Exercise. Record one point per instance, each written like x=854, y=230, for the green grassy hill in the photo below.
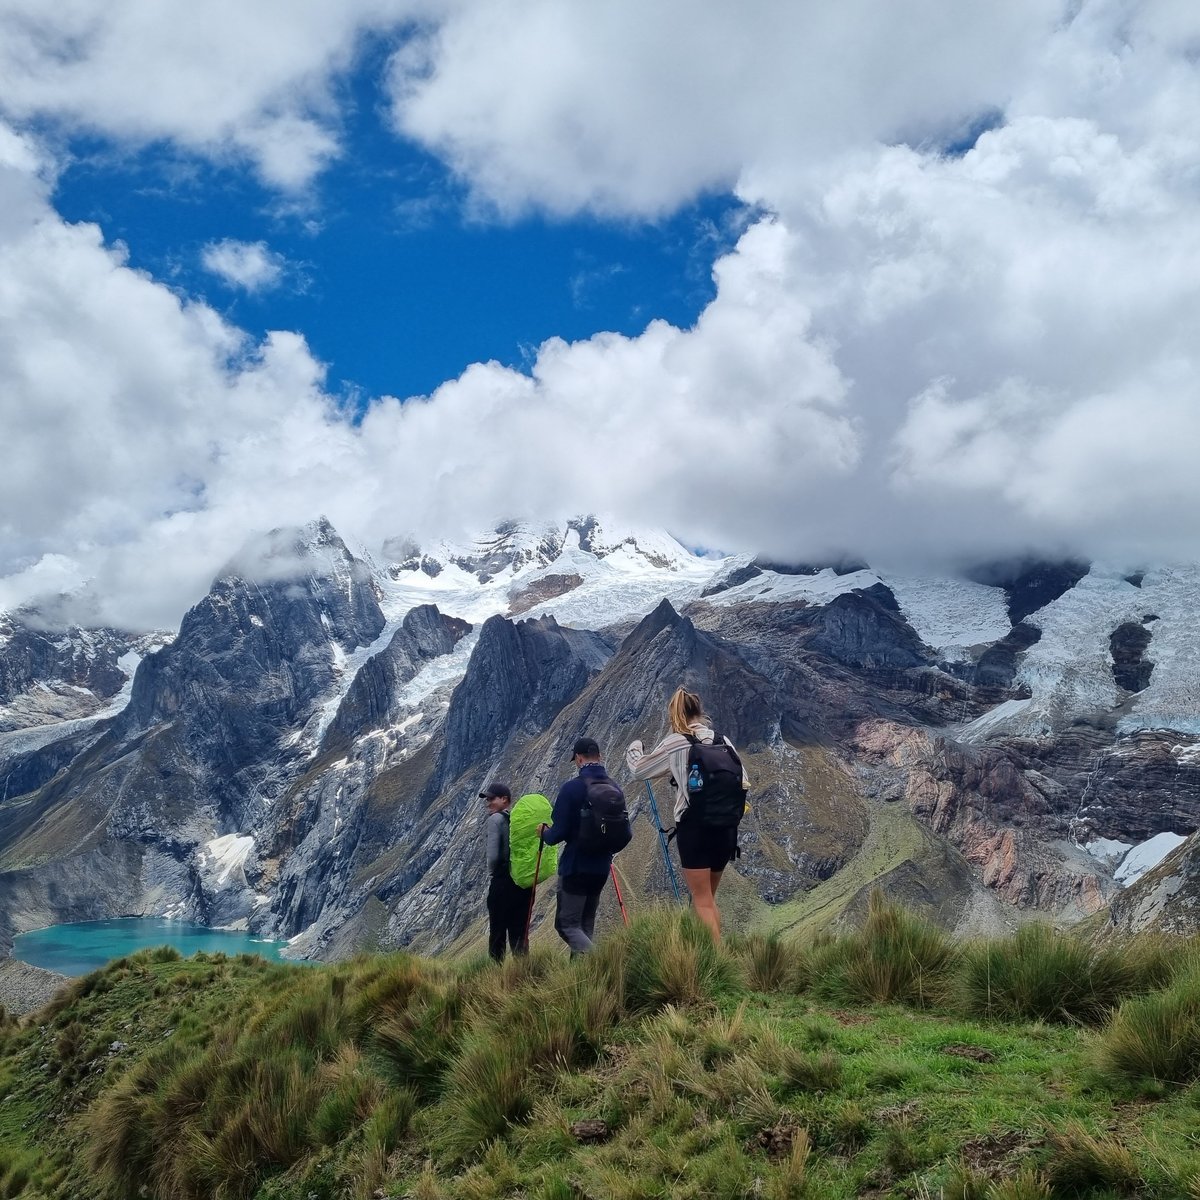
x=889, y=1062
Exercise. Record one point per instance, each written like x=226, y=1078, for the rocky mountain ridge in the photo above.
x=302, y=758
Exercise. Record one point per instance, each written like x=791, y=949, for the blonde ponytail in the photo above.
x=684, y=710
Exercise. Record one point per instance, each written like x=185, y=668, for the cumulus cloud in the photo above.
x=225, y=79
x=924, y=348
x=252, y=266
x=632, y=108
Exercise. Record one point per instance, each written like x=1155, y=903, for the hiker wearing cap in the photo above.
x=590, y=818
x=507, y=904
x=710, y=787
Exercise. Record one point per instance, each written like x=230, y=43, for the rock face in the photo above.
x=205, y=745
x=1165, y=899
x=372, y=701
x=49, y=675
x=304, y=758
x=79, y=658
x=409, y=824
x=1031, y=585
x=1129, y=642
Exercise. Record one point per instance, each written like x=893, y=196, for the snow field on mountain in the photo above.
x=952, y=616
x=439, y=671
x=1069, y=670
x=948, y=615
x=1172, y=699
x=1146, y=857
x=228, y=854
x=624, y=584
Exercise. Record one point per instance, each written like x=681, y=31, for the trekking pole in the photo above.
x=662, y=841
x=612, y=870
x=537, y=870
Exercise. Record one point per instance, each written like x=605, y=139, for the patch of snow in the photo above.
x=440, y=670
x=1146, y=856
x=1108, y=850
x=346, y=667
x=1172, y=698
x=229, y=854
x=951, y=615
x=1069, y=670
x=1002, y=718
x=630, y=573
x=820, y=588
x=25, y=741
x=129, y=663
x=619, y=587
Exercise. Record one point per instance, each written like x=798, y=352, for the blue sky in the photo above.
x=397, y=280
x=917, y=284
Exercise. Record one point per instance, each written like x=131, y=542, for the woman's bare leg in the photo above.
x=702, y=883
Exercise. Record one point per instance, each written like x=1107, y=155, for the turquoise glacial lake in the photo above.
x=85, y=947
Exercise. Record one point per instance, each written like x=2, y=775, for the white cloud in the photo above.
x=252, y=266
x=913, y=354
x=632, y=108
x=221, y=78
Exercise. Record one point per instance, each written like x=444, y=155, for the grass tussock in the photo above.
x=1081, y=1163
x=663, y=958
x=768, y=963
x=1042, y=974
x=1156, y=1038
x=895, y=958
x=660, y=1065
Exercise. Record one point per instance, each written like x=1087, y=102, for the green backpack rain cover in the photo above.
x=523, y=820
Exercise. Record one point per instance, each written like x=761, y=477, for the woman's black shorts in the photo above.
x=703, y=846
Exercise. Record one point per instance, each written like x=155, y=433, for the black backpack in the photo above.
x=603, y=820
x=720, y=800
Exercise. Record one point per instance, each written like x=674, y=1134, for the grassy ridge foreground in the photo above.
x=890, y=1062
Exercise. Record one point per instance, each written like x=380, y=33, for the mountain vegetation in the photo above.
x=890, y=1061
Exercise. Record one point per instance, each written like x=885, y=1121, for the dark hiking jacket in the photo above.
x=565, y=828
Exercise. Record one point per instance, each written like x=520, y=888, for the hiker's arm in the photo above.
x=560, y=828
x=658, y=762
x=493, y=844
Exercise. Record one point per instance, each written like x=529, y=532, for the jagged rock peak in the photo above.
x=663, y=617
x=298, y=577
x=514, y=546
x=293, y=552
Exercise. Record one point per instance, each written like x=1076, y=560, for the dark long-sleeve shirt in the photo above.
x=497, y=842
x=565, y=826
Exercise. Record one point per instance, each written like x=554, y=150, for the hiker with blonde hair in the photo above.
x=710, y=786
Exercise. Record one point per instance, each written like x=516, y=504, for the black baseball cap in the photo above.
x=495, y=789
x=586, y=747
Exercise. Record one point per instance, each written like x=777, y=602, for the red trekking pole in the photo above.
x=612, y=870
x=537, y=870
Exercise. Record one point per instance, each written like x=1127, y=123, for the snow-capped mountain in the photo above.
x=303, y=756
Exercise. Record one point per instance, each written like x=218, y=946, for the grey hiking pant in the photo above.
x=575, y=916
